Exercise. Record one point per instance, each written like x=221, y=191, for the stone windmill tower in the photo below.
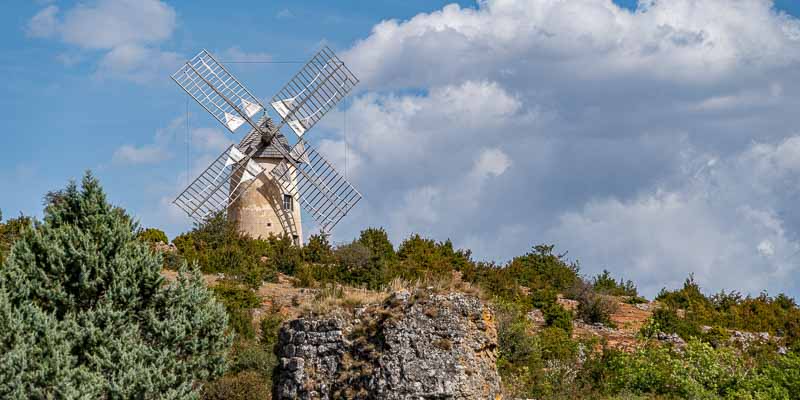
x=263, y=209
x=262, y=182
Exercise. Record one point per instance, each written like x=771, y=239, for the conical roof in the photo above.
x=264, y=150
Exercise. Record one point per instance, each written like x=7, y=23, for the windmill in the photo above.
x=266, y=174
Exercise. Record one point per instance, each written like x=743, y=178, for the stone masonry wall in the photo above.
x=420, y=346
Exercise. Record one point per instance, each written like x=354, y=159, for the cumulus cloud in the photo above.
x=151, y=153
x=210, y=139
x=712, y=224
x=284, y=14
x=674, y=40
x=236, y=53
x=148, y=154
x=138, y=64
x=44, y=23
x=127, y=32
x=206, y=143
x=653, y=142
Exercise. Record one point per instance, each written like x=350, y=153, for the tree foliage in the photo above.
x=152, y=236
x=85, y=313
x=10, y=232
x=777, y=315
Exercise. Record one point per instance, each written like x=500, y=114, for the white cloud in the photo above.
x=151, y=153
x=284, y=14
x=654, y=143
x=237, y=54
x=674, y=40
x=127, y=31
x=211, y=139
x=106, y=24
x=148, y=154
x=137, y=64
x=491, y=162
x=44, y=23
x=712, y=224
x=69, y=59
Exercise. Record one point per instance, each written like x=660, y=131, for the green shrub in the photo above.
x=377, y=241
x=668, y=321
x=697, y=371
x=557, y=316
x=217, y=247
x=234, y=296
x=239, y=302
x=270, y=327
x=249, y=355
x=605, y=284
x=152, y=236
x=240, y=320
x=592, y=307
x=541, y=269
x=318, y=250
x=283, y=255
x=716, y=336
x=420, y=258
x=304, y=276
x=10, y=232
x=556, y=344
x=85, y=312
x=543, y=297
x=519, y=355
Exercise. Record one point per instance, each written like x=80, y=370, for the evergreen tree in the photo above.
x=85, y=313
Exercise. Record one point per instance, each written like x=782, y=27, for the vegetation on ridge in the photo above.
x=64, y=306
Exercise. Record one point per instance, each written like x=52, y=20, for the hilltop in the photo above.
x=554, y=333
x=369, y=319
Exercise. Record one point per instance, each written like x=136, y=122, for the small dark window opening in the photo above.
x=288, y=203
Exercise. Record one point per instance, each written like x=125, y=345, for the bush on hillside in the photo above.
x=592, y=307
x=318, y=250
x=152, y=236
x=239, y=303
x=420, y=257
x=377, y=241
x=217, y=247
x=605, y=284
x=777, y=315
x=542, y=269
x=557, y=316
x=85, y=313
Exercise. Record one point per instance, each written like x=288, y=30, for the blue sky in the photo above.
x=653, y=143
x=66, y=119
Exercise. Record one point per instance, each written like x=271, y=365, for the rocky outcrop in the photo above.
x=413, y=346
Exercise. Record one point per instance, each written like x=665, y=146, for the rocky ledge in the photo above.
x=417, y=345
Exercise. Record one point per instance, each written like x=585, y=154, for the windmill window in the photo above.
x=288, y=204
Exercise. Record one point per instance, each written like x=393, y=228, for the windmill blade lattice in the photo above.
x=210, y=83
x=313, y=91
x=302, y=173
x=219, y=185
x=323, y=192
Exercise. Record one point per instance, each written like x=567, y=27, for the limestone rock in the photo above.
x=414, y=346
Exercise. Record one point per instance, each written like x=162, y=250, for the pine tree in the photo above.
x=85, y=313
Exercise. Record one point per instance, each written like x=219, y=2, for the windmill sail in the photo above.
x=219, y=185
x=322, y=191
x=217, y=90
x=313, y=91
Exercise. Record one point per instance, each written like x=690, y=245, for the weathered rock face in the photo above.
x=421, y=346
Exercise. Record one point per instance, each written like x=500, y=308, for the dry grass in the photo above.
x=334, y=296
x=435, y=284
